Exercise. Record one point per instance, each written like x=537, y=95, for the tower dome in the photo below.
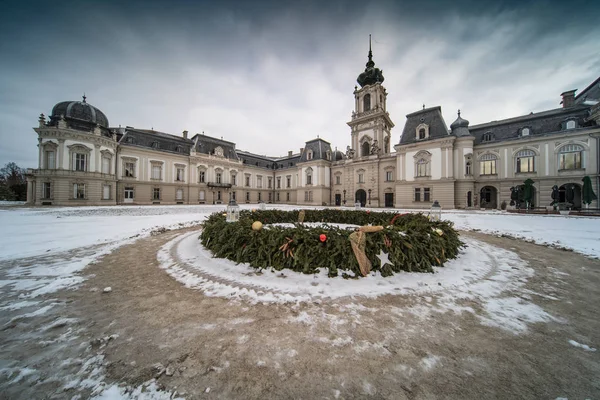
x=460, y=127
x=79, y=114
x=371, y=75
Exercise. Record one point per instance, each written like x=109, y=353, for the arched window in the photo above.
x=367, y=102
x=422, y=164
x=365, y=149
x=525, y=161
x=570, y=124
x=421, y=133
x=422, y=167
x=488, y=164
x=570, y=157
x=309, y=155
x=468, y=168
x=525, y=132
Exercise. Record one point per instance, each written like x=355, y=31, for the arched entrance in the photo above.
x=570, y=193
x=488, y=197
x=469, y=199
x=520, y=203
x=361, y=197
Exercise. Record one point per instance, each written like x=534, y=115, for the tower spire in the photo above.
x=370, y=63
x=84, y=97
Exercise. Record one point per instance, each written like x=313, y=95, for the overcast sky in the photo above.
x=271, y=75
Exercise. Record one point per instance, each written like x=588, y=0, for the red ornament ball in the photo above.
x=322, y=237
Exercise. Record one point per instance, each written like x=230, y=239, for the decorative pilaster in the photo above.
x=97, y=163
x=61, y=154
x=40, y=153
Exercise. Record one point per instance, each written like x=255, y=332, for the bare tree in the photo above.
x=13, y=185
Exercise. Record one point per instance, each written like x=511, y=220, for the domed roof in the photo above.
x=371, y=75
x=81, y=111
x=459, y=123
x=338, y=155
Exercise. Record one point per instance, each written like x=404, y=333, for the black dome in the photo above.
x=80, y=111
x=371, y=75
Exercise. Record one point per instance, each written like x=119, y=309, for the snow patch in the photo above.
x=582, y=346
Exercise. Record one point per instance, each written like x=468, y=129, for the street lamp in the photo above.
x=435, y=214
x=369, y=197
x=344, y=196
x=233, y=211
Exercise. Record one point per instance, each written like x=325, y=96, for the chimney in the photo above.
x=568, y=98
x=301, y=150
x=185, y=134
x=290, y=153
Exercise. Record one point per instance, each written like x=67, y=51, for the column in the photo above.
x=61, y=154
x=97, y=160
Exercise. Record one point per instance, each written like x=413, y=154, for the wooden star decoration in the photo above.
x=384, y=258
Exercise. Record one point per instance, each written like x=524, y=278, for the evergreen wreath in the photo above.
x=412, y=242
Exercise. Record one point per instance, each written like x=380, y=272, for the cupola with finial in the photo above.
x=460, y=127
x=371, y=75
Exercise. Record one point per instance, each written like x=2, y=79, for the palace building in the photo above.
x=84, y=161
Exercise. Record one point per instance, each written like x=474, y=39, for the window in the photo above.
x=46, y=190
x=488, y=164
x=305, y=196
x=525, y=161
x=287, y=197
x=288, y=183
x=247, y=196
x=367, y=102
x=277, y=196
x=106, y=192
x=259, y=196
x=201, y=195
x=179, y=177
x=180, y=149
x=422, y=167
x=259, y=181
x=129, y=139
x=156, y=172
x=270, y=197
x=50, y=160
x=179, y=194
x=129, y=194
x=247, y=180
x=525, y=132
x=417, y=194
x=79, y=190
x=487, y=137
x=309, y=172
x=570, y=124
x=365, y=149
x=156, y=194
x=201, y=176
x=219, y=195
x=421, y=133
x=388, y=176
x=361, y=177
x=328, y=155
x=338, y=180
x=129, y=169
x=105, y=165
x=309, y=155
x=468, y=168
x=233, y=195
x=79, y=162
x=270, y=183
x=218, y=176
x=278, y=182
x=310, y=197
x=233, y=179
x=570, y=157
x=426, y=194
x=155, y=145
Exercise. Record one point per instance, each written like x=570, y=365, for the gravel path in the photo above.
x=393, y=347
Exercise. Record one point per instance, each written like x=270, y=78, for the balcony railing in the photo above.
x=219, y=185
x=67, y=172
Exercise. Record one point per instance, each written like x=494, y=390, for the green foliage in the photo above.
x=415, y=246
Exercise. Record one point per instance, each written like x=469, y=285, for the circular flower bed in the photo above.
x=385, y=242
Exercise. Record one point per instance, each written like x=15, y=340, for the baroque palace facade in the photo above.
x=83, y=161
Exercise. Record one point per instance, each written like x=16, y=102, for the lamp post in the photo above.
x=369, y=197
x=344, y=196
x=435, y=213
x=233, y=211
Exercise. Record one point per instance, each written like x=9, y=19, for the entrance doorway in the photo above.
x=338, y=199
x=488, y=196
x=389, y=199
x=469, y=199
x=128, y=195
x=361, y=197
x=570, y=193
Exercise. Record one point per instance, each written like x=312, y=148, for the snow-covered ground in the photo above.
x=45, y=249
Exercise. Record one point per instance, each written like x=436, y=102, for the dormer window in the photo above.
x=155, y=145
x=422, y=131
x=129, y=139
x=570, y=124
x=179, y=149
x=487, y=137
x=328, y=155
x=309, y=155
x=525, y=132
